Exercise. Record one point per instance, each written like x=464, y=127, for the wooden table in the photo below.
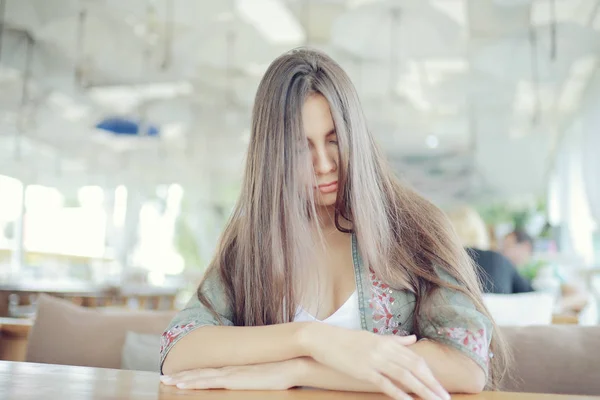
x=25, y=381
x=13, y=338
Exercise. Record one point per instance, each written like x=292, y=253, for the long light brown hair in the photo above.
x=401, y=235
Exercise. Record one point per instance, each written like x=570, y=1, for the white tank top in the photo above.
x=347, y=316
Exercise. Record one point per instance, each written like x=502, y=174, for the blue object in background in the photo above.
x=127, y=127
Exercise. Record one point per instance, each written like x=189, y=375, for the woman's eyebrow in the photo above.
x=330, y=133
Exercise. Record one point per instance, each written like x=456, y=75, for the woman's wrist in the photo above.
x=306, y=335
x=300, y=371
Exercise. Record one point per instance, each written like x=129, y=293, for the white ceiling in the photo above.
x=490, y=84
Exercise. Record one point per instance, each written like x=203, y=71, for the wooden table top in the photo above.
x=15, y=326
x=26, y=381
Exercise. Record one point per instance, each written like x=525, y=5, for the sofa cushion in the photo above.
x=64, y=333
x=140, y=352
x=520, y=309
x=554, y=359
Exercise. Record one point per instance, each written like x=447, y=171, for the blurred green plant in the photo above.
x=530, y=270
x=71, y=202
x=185, y=240
x=508, y=212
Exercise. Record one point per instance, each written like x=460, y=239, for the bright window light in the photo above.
x=10, y=201
x=120, y=206
x=91, y=196
x=45, y=198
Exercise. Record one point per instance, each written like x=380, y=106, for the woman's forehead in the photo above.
x=316, y=117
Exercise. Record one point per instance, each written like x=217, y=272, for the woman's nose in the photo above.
x=323, y=163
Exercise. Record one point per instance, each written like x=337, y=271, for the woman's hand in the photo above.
x=384, y=361
x=271, y=376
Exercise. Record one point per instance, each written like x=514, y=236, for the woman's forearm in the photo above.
x=456, y=372
x=313, y=374
x=220, y=346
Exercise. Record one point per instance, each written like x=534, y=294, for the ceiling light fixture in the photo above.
x=432, y=141
x=273, y=20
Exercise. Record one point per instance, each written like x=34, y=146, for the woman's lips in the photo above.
x=328, y=187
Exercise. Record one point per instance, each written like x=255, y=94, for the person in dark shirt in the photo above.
x=517, y=246
x=497, y=273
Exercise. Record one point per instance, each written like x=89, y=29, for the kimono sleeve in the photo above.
x=195, y=315
x=453, y=320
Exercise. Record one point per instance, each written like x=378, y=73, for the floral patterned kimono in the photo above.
x=453, y=320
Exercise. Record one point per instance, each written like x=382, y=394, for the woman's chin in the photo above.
x=326, y=200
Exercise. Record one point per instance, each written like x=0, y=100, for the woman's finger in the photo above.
x=193, y=375
x=183, y=374
x=406, y=340
x=203, y=383
x=409, y=382
x=388, y=387
x=208, y=378
x=420, y=370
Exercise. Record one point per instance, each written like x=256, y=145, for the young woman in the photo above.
x=329, y=269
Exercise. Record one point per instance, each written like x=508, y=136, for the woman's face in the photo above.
x=323, y=147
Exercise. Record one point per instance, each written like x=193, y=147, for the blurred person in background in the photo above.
x=331, y=273
x=496, y=272
x=518, y=246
